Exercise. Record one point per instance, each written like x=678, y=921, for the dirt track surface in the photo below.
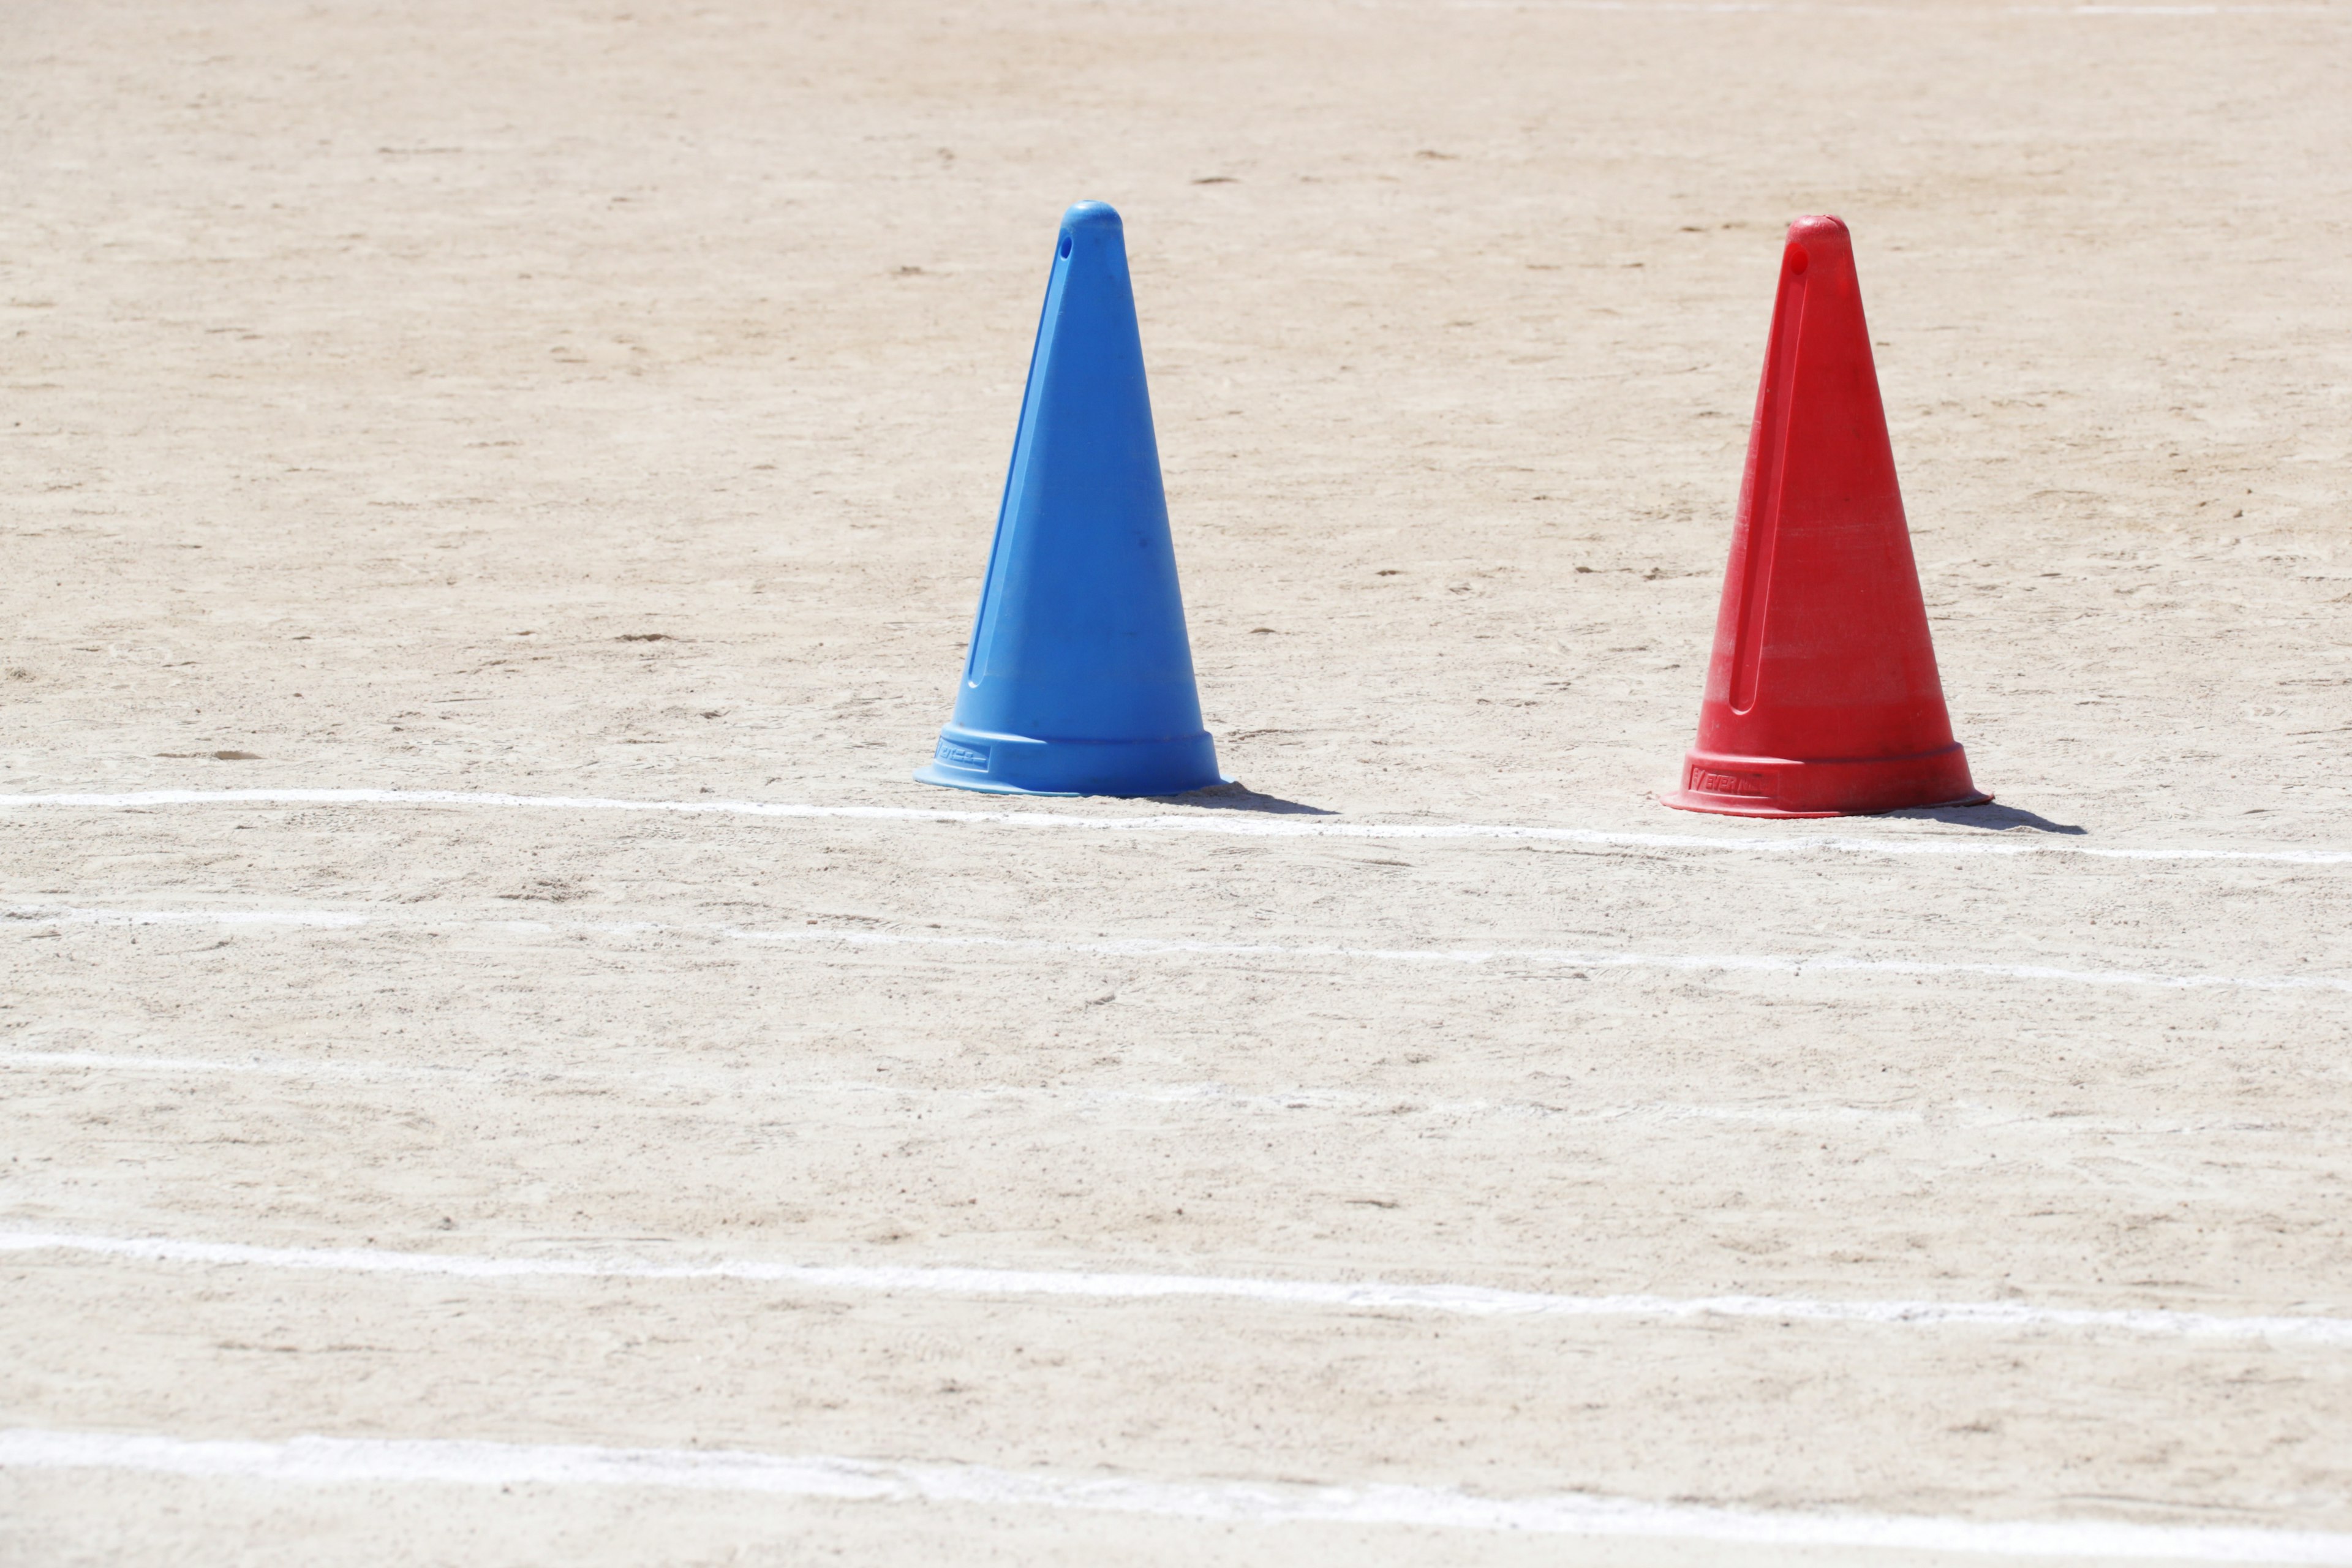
x=592, y=403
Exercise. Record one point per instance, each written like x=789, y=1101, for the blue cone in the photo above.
x=1079, y=680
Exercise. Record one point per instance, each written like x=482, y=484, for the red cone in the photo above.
x=1821, y=697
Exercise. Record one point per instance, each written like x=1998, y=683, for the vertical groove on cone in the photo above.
x=1771, y=440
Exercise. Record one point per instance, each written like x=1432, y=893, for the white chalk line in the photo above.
x=1571, y=959
x=1914, y=13
x=414, y=1461
x=1205, y=1096
x=1226, y=824
x=328, y=919
x=1198, y=1096
x=1351, y=1296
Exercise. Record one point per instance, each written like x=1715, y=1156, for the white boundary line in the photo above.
x=329, y=1461
x=1351, y=1296
x=1831, y=8
x=1157, y=947
x=1229, y=823
x=1198, y=1095
x=1205, y=1096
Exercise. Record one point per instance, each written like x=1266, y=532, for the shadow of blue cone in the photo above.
x=1079, y=678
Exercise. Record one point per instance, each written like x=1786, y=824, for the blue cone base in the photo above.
x=1016, y=764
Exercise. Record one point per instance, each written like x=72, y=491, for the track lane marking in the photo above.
x=414, y=1461
x=1158, y=947
x=1351, y=1295
x=1226, y=824
x=1834, y=8
x=1200, y=1095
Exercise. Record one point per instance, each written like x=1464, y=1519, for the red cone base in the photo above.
x=1834, y=787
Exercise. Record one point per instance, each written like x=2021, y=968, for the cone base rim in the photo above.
x=932, y=773
x=990, y=761
x=1716, y=805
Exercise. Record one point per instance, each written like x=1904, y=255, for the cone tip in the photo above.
x=1090, y=214
x=1816, y=238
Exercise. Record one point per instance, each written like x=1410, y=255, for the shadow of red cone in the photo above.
x=1821, y=695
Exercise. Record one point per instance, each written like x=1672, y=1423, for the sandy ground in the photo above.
x=605, y=402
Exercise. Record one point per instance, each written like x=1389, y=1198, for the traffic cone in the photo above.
x=1079, y=677
x=1821, y=696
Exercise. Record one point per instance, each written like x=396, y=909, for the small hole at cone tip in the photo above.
x=1797, y=259
x=1066, y=244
